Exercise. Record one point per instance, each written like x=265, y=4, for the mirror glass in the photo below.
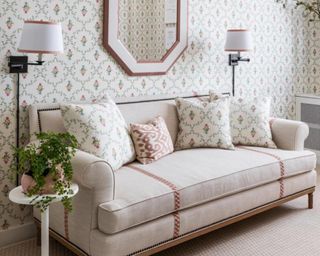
x=148, y=28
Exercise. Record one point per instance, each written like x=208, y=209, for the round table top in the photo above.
x=17, y=196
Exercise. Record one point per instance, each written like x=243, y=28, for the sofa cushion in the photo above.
x=203, y=124
x=249, y=122
x=192, y=177
x=152, y=140
x=100, y=130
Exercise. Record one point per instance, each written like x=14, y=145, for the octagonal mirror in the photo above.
x=145, y=37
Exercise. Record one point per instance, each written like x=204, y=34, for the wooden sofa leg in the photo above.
x=38, y=236
x=310, y=201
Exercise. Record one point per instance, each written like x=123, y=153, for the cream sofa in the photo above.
x=142, y=209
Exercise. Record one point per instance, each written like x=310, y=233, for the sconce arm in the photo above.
x=37, y=63
x=19, y=64
x=244, y=59
x=235, y=58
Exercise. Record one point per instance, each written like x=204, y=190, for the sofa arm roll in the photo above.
x=93, y=173
x=289, y=134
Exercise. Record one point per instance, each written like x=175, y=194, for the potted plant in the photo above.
x=311, y=8
x=45, y=166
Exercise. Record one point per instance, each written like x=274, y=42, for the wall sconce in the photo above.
x=41, y=37
x=238, y=40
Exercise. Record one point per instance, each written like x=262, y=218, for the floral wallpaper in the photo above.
x=284, y=61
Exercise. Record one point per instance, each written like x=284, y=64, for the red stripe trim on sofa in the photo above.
x=66, y=223
x=176, y=215
x=281, y=165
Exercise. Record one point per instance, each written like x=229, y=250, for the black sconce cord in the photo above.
x=18, y=124
x=17, y=65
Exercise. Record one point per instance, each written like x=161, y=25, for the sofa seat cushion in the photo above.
x=192, y=177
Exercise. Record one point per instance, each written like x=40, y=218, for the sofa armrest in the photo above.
x=93, y=173
x=96, y=186
x=288, y=134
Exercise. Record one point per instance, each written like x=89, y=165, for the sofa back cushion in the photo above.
x=47, y=117
x=143, y=112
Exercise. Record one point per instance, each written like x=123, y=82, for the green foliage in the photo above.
x=311, y=8
x=51, y=155
x=283, y=2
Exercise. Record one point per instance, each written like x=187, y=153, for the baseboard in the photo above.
x=17, y=234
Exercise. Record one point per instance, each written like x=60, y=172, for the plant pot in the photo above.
x=27, y=183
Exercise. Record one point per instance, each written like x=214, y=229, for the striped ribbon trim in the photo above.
x=281, y=165
x=66, y=223
x=176, y=215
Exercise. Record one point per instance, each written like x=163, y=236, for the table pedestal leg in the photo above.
x=45, y=233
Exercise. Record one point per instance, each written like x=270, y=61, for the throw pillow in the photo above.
x=203, y=124
x=100, y=130
x=250, y=122
x=152, y=140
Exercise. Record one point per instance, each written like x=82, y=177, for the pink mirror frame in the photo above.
x=122, y=55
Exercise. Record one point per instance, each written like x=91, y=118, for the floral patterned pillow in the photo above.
x=203, y=124
x=250, y=122
x=100, y=130
x=152, y=141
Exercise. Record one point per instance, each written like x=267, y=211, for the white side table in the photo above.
x=17, y=196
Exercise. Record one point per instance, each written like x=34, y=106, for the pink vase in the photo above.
x=27, y=183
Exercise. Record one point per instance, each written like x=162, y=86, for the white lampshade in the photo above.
x=41, y=37
x=238, y=40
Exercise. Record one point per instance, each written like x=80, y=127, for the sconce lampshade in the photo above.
x=238, y=40
x=41, y=37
